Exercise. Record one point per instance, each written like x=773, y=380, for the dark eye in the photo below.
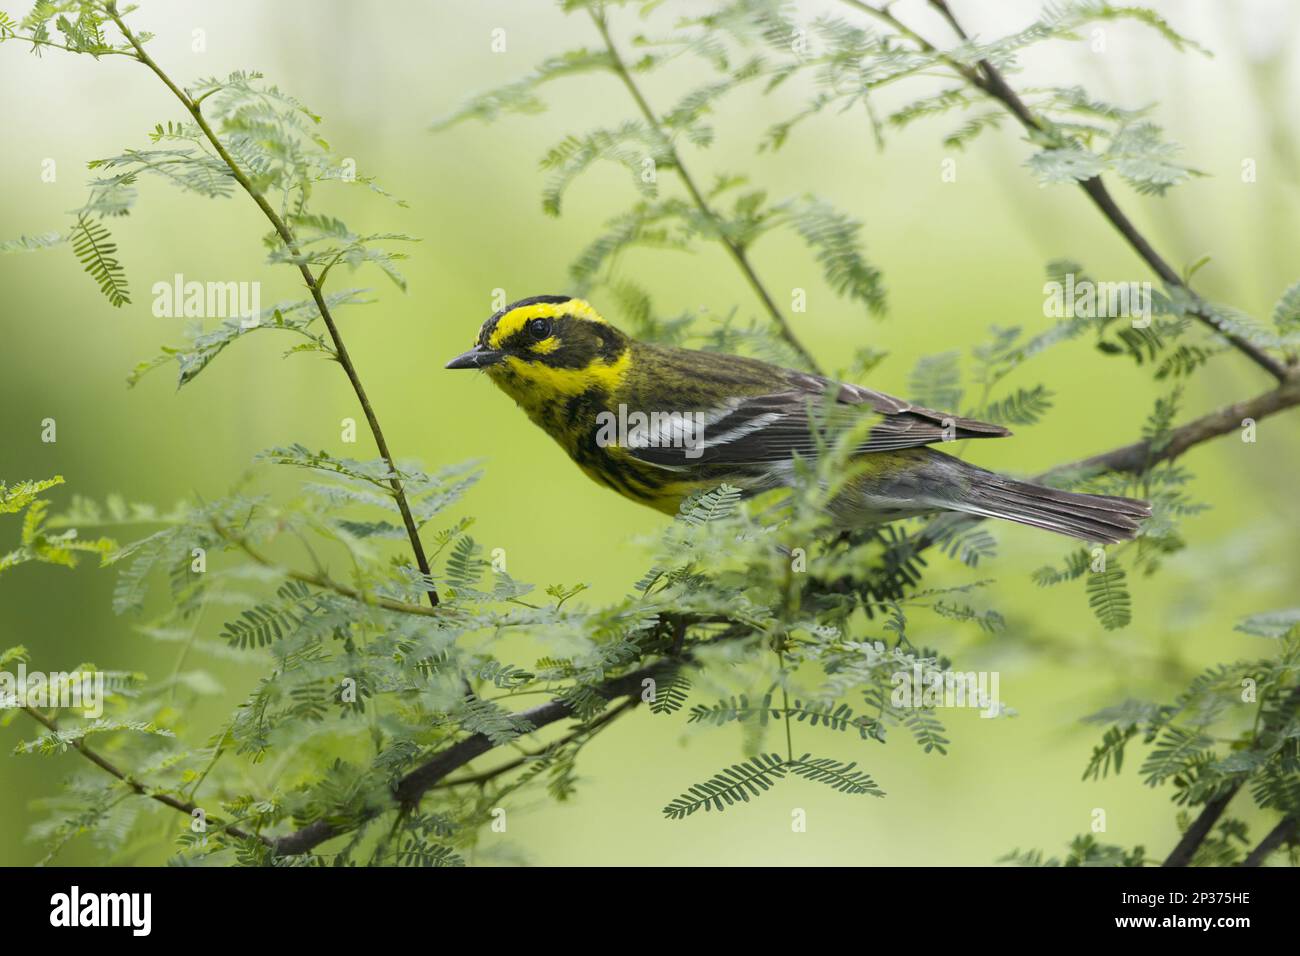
x=539, y=328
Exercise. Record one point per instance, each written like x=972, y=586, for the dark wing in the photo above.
x=772, y=428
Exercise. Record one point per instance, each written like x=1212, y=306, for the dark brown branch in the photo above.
x=1128, y=458
x=1280, y=834
x=415, y=784
x=1196, y=833
x=737, y=251
x=1141, y=455
x=313, y=285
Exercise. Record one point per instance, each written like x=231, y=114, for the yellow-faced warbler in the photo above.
x=657, y=423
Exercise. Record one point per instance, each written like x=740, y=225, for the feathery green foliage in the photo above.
x=369, y=687
x=1235, y=729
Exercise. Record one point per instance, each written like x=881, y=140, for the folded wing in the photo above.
x=770, y=428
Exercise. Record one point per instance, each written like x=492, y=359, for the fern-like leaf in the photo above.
x=96, y=251
x=735, y=784
x=1109, y=598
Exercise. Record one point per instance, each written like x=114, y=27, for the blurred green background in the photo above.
x=957, y=258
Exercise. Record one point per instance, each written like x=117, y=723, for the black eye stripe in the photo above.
x=539, y=328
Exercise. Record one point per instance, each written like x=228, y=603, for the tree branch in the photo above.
x=1140, y=455
x=1280, y=834
x=415, y=784
x=328, y=583
x=313, y=285
x=989, y=80
x=588, y=729
x=1196, y=833
x=737, y=251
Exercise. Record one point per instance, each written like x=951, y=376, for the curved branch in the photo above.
x=588, y=729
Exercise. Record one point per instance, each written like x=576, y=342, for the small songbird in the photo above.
x=657, y=423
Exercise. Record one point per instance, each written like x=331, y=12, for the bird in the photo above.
x=659, y=423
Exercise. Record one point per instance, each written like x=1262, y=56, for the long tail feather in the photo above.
x=1104, y=518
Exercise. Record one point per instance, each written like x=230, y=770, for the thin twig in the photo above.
x=110, y=768
x=432, y=772
x=313, y=285
x=51, y=45
x=737, y=251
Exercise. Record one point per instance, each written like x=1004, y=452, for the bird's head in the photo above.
x=548, y=342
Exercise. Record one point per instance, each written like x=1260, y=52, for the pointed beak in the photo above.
x=477, y=357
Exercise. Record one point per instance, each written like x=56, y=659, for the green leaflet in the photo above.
x=1109, y=598
x=750, y=779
